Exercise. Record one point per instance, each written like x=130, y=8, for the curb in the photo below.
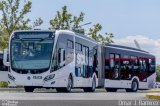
x=153, y=96
x=11, y=89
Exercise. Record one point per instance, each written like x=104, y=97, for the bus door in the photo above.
x=117, y=67
x=114, y=72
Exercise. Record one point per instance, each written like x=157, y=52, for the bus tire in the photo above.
x=91, y=89
x=111, y=89
x=134, y=86
x=28, y=89
x=60, y=89
x=69, y=85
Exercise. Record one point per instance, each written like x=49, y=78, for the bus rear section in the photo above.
x=3, y=69
x=128, y=68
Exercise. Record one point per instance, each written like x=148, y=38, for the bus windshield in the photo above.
x=31, y=53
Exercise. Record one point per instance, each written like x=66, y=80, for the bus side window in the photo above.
x=149, y=65
x=140, y=64
x=125, y=62
x=64, y=56
x=117, y=66
x=112, y=61
x=117, y=61
x=107, y=63
x=134, y=63
x=144, y=65
x=61, y=57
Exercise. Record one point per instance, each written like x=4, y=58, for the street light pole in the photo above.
x=80, y=30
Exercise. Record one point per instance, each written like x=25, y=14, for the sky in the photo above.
x=121, y=17
x=126, y=19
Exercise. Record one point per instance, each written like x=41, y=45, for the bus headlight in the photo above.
x=11, y=77
x=49, y=77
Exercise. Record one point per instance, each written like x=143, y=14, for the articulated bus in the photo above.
x=64, y=60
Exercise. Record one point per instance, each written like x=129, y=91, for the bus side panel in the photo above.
x=86, y=62
x=63, y=69
x=4, y=76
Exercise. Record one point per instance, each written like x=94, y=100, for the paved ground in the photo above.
x=75, y=98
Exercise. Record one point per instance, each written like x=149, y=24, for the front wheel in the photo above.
x=69, y=86
x=134, y=87
x=28, y=89
x=93, y=88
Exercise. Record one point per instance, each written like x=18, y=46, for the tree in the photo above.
x=62, y=20
x=3, y=39
x=94, y=33
x=76, y=23
x=158, y=73
x=65, y=20
x=14, y=18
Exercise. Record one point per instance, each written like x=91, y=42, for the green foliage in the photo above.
x=94, y=33
x=62, y=20
x=158, y=73
x=37, y=22
x=4, y=36
x=14, y=18
x=66, y=21
x=3, y=84
x=76, y=23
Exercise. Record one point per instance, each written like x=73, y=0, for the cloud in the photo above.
x=147, y=44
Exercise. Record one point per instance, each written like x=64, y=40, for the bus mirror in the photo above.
x=6, y=57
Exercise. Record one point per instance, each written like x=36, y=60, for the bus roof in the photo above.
x=34, y=31
x=127, y=48
x=86, y=37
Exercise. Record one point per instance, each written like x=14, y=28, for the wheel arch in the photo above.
x=72, y=77
x=96, y=78
x=135, y=78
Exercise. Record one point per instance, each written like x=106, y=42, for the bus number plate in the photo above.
x=37, y=77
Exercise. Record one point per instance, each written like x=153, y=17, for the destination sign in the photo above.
x=41, y=35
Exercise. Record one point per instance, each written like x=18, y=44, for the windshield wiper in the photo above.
x=43, y=39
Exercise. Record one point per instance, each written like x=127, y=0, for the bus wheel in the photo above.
x=28, y=89
x=69, y=85
x=91, y=89
x=59, y=89
x=111, y=89
x=134, y=86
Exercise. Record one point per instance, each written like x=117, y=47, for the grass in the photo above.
x=3, y=84
x=153, y=96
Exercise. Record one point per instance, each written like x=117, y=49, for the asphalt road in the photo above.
x=75, y=98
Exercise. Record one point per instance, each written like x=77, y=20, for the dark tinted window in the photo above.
x=70, y=44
